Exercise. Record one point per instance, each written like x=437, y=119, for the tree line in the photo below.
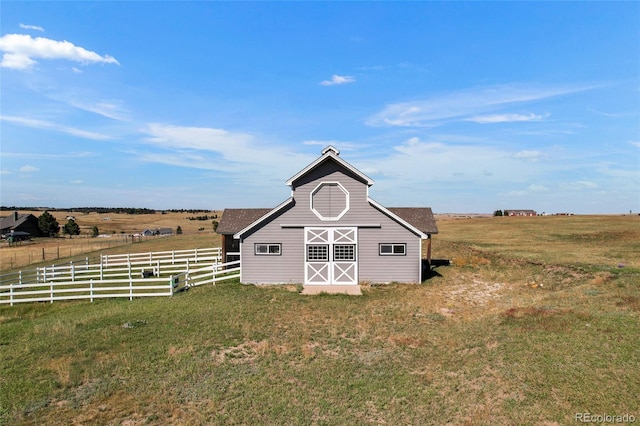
x=102, y=210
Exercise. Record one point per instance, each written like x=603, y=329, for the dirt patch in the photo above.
x=476, y=293
x=630, y=302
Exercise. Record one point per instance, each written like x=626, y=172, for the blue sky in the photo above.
x=464, y=107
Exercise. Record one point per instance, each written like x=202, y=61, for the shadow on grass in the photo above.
x=428, y=268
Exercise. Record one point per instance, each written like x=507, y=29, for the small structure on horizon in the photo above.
x=156, y=232
x=520, y=213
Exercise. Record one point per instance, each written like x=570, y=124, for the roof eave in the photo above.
x=398, y=219
x=326, y=155
x=275, y=210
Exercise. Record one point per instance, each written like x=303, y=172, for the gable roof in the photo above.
x=234, y=220
x=330, y=153
x=11, y=222
x=418, y=220
x=420, y=217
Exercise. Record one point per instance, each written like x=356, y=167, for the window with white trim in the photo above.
x=344, y=252
x=272, y=249
x=317, y=253
x=399, y=249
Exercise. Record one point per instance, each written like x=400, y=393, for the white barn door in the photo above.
x=330, y=256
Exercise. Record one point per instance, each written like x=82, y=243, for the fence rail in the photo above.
x=175, y=256
x=147, y=275
x=91, y=290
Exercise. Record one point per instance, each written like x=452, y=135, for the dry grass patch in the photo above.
x=504, y=340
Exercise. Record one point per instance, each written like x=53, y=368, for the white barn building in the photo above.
x=329, y=235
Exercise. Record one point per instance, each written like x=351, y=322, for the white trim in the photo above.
x=392, y=253
x=326, y=155
x=342, y=213
x=420, y=263
x=397, y=218
x=268, y=246
x=322, y=235
x=238, y=234
x=330, y=148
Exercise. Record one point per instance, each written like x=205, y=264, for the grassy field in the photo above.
x=117, y=227
x=537, y=319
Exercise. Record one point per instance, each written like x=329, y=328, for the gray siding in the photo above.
x=289, y=266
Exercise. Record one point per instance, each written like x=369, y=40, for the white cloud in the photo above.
x=579, y=185
x=505, y=118
x=466, y=104
x=635, y=143
x=110, y=109
x=5, y=172
x=537, y=188
x=41, y=124
x=208, y=148
x=514, y=193
x=338, y=79
x=529, y=155
x=76, y=181
x=28, y=169
x=19, y=51
x=32, y=27
x=43, y=156
x=201, y=138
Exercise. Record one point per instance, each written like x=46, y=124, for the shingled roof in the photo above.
x=235, y=220
x=420, y=217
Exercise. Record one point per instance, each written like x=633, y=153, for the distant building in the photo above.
x=22, y=223
x=520, y=213
x=158, y=231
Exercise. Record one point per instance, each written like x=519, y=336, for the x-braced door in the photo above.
x=330, y=256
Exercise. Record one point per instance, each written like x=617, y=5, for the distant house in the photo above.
x=164, y=231
x=22, y=223
x=520, y=213
x=329, y=235
x=157, y=231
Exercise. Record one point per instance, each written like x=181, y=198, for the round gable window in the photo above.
x=329, y=201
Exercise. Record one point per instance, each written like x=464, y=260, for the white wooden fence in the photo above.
x=164, y=257
x=139, y=275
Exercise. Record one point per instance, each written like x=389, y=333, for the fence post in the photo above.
x=158, y=270
x=11, y=293
x=196, y=255
x=173, y=257
x=73, y=271
x=91, y=288
x=130, y=281
x=51, y=287
x=101, y=269
x=187, y=277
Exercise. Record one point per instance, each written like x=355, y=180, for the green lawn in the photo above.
x=499, y=337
